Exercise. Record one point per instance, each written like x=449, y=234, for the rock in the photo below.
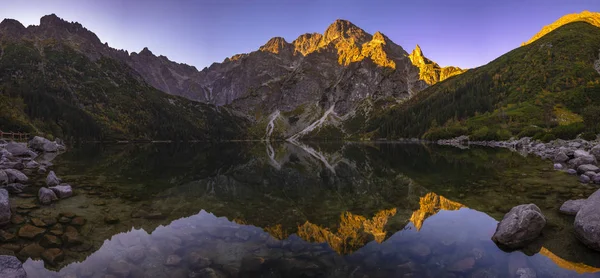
x=419, y=251
x=558, y=166
x=173, y=260
x=38, y=222
x=580, y=153
x=50, y=241
x=16, y=176
x=11, y=267
x=31, y=251
x=584, y=179
x=62, y=191
x=31, y=164
x=196, y=261
x=67, y=214
x=5, y=212
x=576, y=162
x=3, y=177
x=206, y=273
x=17, y=219
x=571, y=207
x=17, y=149
x=561, y=157
x=463, y=265
x=526, y=273
x=15, y=188
x=587, y=168
x=136, y=255
x=251, y=264
x=595, y=151
x=519, y=226
x=590, y=174
x=71, y=237
x=42, y=144
x=596, y=179
x=6, y=236
x=30, y=232
x=119, y=268
x=78, y=221
x=587, y=222
x=53, y=256
x=111, y=219
x=46, y=196
x=52, y=179
x=41, y=170
x=572, y=172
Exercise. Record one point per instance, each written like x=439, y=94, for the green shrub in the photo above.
x=503, y=134
x=568, y=131
x=590, y=136
x=484, y=134
x=548, y=137
x=530, y=131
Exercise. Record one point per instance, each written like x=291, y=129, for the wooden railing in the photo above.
x=16, y=136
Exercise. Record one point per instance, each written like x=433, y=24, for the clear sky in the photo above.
x=465, y=33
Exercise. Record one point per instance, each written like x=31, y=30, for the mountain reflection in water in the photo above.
x=338, y=210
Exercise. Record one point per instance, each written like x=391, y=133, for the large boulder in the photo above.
x=43, y=145
x=17, y=149
x=15, y=176
x=52, y=179
x=3, y=177
x=580, y=153
x=571, y=207
x=521, y=225
x=587, y=168
x=561, y=157
x=62, y=191
x=587, y=222
x=584, y=179
x=4, y=207
x=595, y=151
x=46, y=196
x=576, y=162
x=11, y=267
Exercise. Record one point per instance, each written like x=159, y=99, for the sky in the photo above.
x=464, y=33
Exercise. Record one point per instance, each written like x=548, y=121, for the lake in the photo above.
x=302, y=210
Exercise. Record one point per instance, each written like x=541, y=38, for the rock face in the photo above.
x=52, y=179
x=5, y=212
x=520, y=225
x=587, y=222
x=62, y=191
x=11, y=267
x=46, y=196
x=430, y=71
x=571, y=207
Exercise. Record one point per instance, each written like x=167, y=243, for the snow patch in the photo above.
x=271, y=155
x=314, y=125
x=315, y=154
x=271, y=124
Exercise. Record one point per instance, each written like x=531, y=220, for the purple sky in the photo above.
x=465, y=33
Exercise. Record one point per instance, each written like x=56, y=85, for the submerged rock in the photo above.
x=4, y=207
x=11, y=267
x=30, y=232
x=52, y=179
x=62, y=191
x=46, y=196
x=53, y=256
x=571, y=207
x=519, y=226
x=587, y=222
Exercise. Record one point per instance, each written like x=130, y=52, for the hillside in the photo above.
x=547, y=89
x=585, y=16
x=48, y=86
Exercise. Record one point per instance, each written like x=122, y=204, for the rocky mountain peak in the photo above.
x=276, y=45
x=55, y=26
x=11, y=23
x=52, y=20
x=146, y=52
x=379, y=37
x=430, y=71
x=307, y=43
x=417, y=57
x=344, y=29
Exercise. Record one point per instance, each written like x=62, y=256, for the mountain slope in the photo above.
x=549, y=88
x=48, y=86
x=585, y=16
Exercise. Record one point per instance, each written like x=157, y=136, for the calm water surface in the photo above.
x=305, y=210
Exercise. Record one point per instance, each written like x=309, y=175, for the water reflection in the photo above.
x=316, y=209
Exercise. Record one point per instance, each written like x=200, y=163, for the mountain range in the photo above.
x=59, y=78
